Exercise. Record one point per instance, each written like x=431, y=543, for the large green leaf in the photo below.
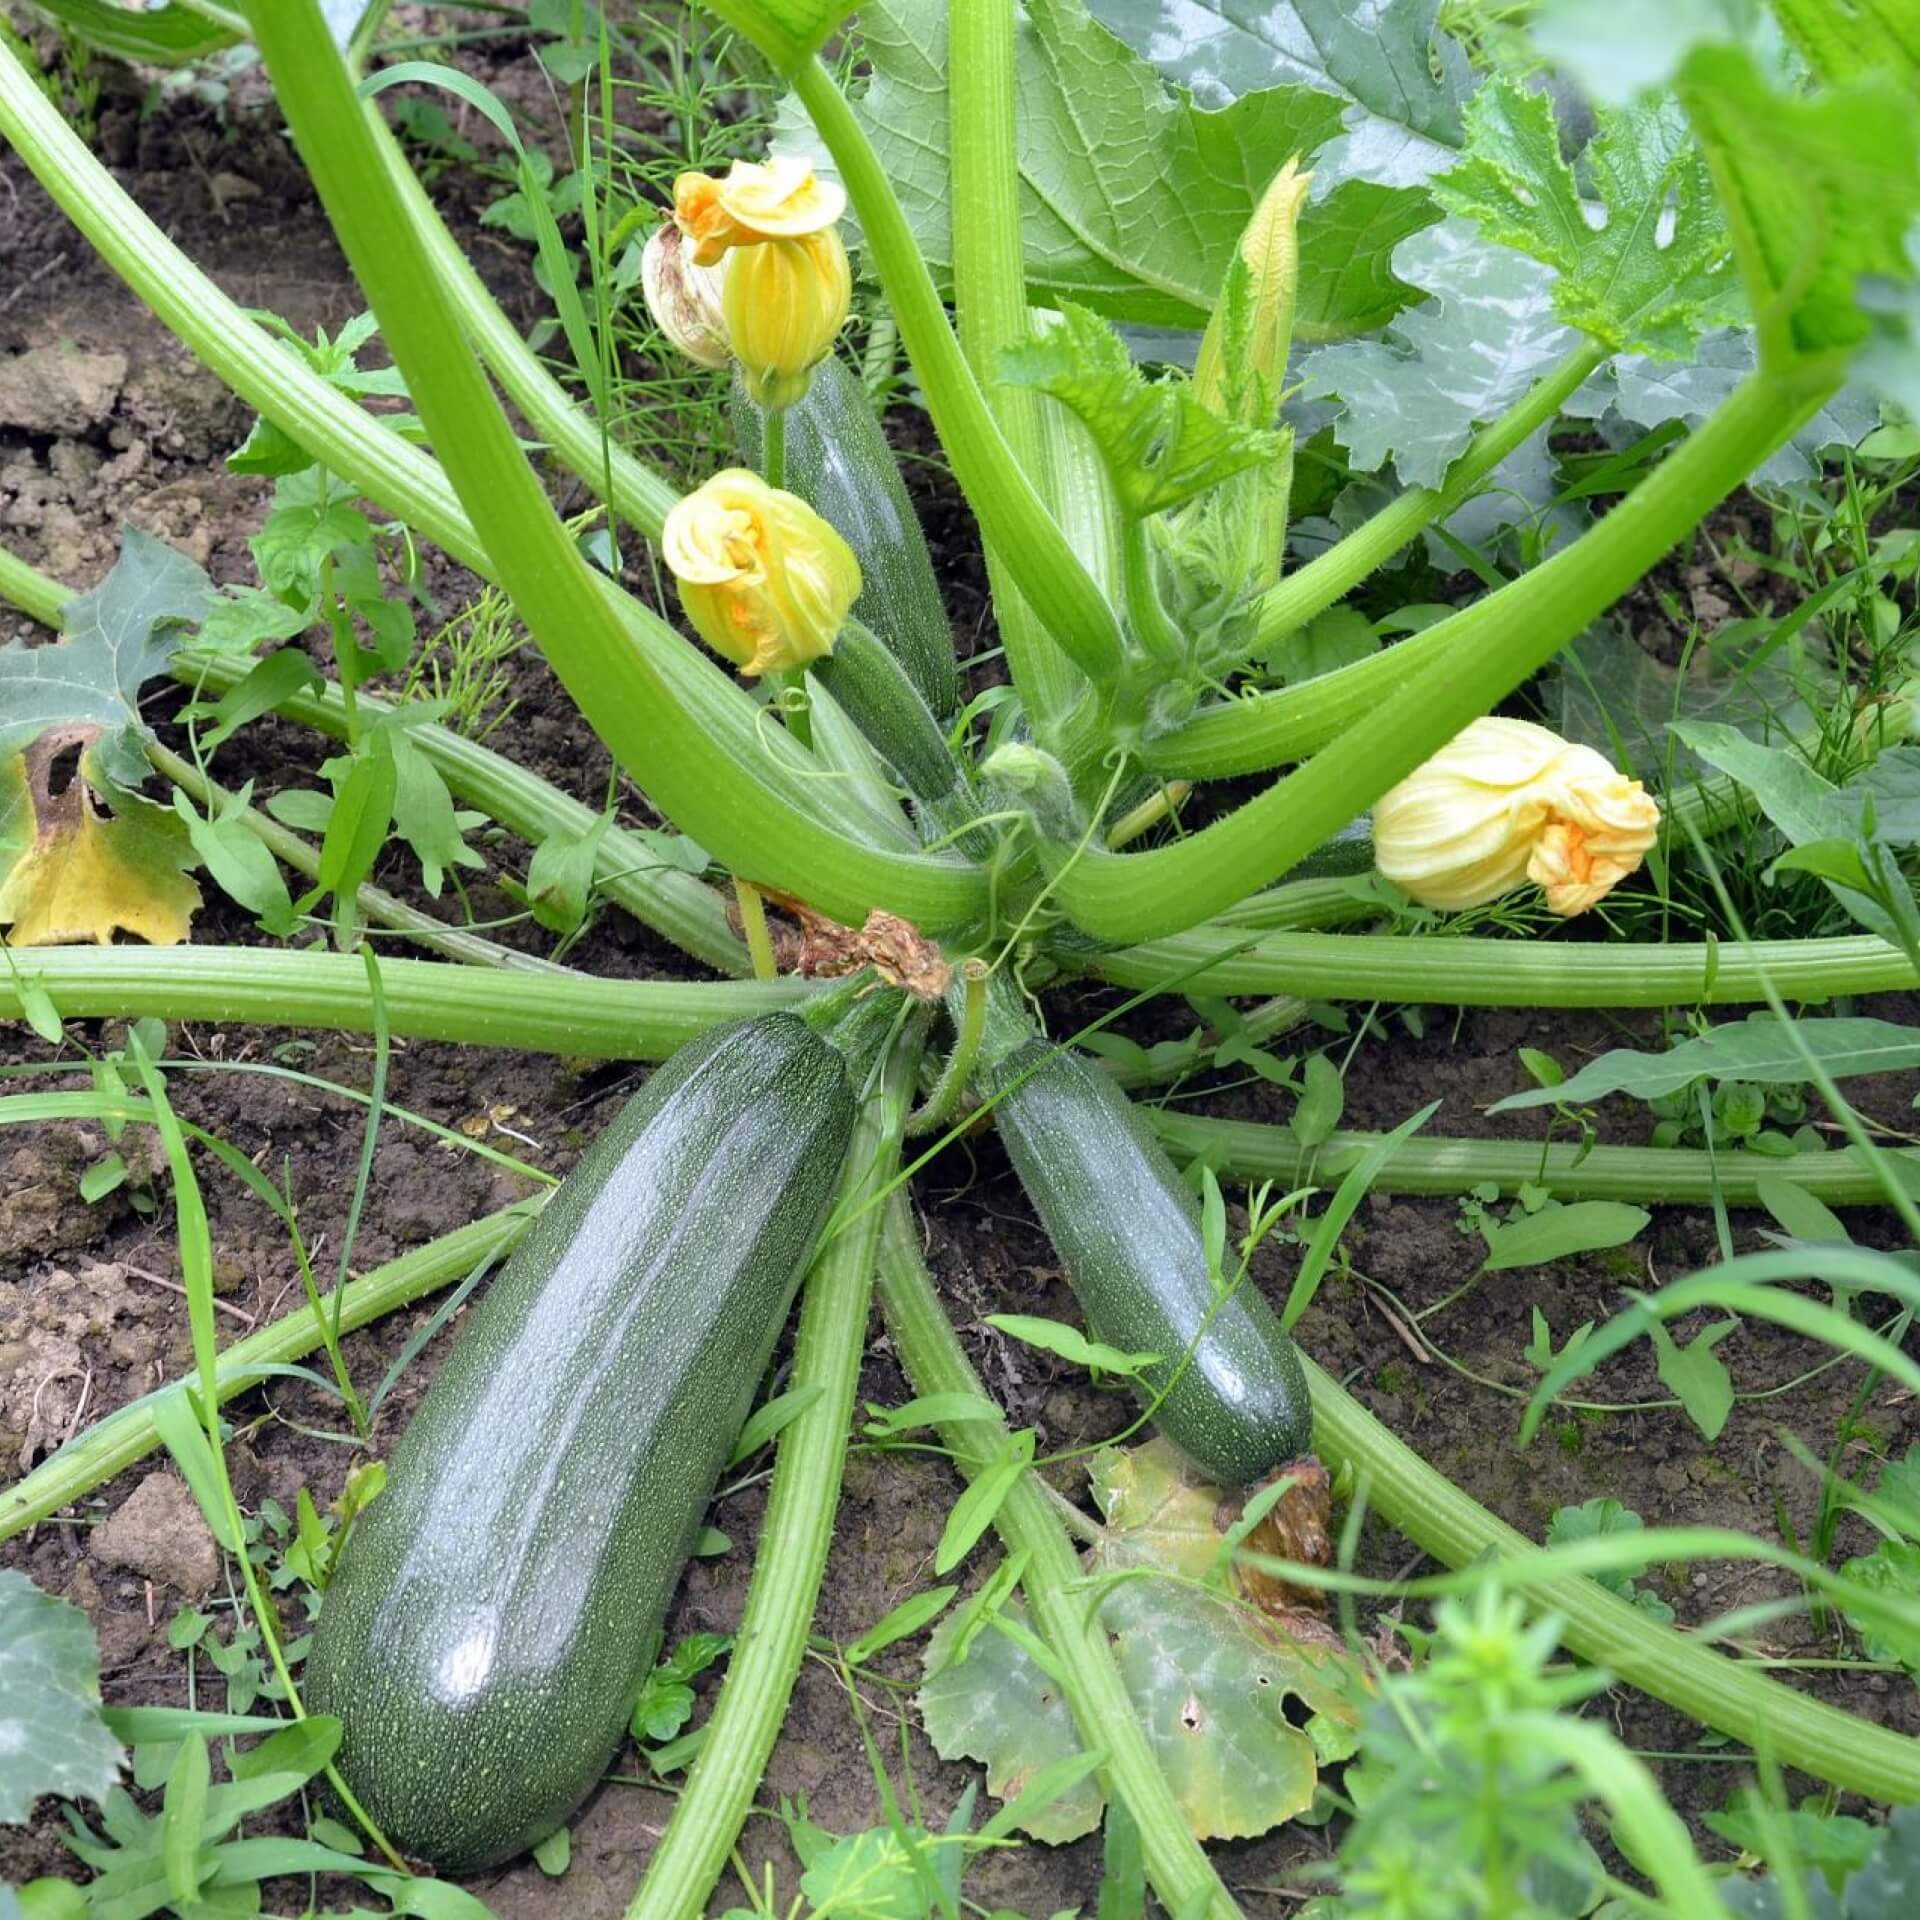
x=118, y=636
x=1399, y=82
x=1485, y=334
x=1654, y=270
x=1819, y=191
x=159, y=36
x=52, y=1738
x=1758, y=1048
x=1132, y=197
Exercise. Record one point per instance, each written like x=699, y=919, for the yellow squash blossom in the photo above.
x=765, y=581
x=684, y=298
x=785, y=301
x=1505, y=802
x=780, y=200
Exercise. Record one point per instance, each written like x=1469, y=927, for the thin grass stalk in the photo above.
x=128, y=1435
x=1719, y=1692
x=1182, y=1875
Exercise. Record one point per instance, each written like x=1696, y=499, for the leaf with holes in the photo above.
x=52, y=1738
x=997, y=1707
x=70, y=873
x=1160, y=446
x=1132, y=196
x=1485, y=334
x=1656, y=271
x=118, y=637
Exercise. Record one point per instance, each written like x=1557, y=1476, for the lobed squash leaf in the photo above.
x=52, y=1736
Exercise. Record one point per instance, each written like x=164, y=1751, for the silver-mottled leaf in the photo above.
x=1486, y=333
x=52, y=1738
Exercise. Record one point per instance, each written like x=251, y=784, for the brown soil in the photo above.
x=86, y=1323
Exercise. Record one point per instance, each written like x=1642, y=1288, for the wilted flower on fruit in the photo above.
x=785, y=301
x=1505, y=802
x=684, y=297
x=780, y=200
x=765, y=581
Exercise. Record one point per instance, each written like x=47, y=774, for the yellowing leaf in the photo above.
x=70, y=873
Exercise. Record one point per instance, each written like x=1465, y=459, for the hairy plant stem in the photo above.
x=626, y=869
x=375, y=905
x=990, y=310
x=1721, y=1693
x=1671, y=1176
x=742, y=789
x=1013, y=518
x=1434, y=970
x=791, y=1554
x=566, y=1013
x=1182, y=1875
x=113, y=1444
x=1482, y=653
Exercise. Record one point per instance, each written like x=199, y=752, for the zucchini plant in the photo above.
x=1159, y=794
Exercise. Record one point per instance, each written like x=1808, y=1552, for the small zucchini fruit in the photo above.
x=1128, y=1231
x=494, y=1612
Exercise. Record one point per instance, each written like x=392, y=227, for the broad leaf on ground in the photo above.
x=1487, y=332
x=1658, y=268
x=1758, y=1048
x=70, y=873
x=1893, y=1567
x=1133, y=198
x=1160, y=446
x=52, y=1738
x=118, y=636
x=1212, y=1677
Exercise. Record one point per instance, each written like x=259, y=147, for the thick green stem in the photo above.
x=37, y=596
x=114, y=1443
x=1670, y=1176
x=1601, y=1627
x=1267, y=729
x=1433, y=970
x=566, y=1013
x=1026, y=1522
x=1331, y=576
x=717, y=772
x=798, y=1529
x=1488, y=649
x=990, y=310
x=376, y=906
x=1013, y=517
x=626, y=870
x=666, y=713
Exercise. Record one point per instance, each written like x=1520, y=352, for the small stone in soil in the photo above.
x=158, y=1533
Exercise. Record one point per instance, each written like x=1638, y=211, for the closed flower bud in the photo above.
x=782, y=200
x=785, y=301
x=765, y=581
x=1505, y=802
x=683, y=298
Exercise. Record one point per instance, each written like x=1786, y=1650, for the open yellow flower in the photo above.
x=765, y=581
x=780, y=200
x=1505, y=802
x=785, y=301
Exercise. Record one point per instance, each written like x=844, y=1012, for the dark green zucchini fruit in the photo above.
x=1128, y=1232
x=494, y=1611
